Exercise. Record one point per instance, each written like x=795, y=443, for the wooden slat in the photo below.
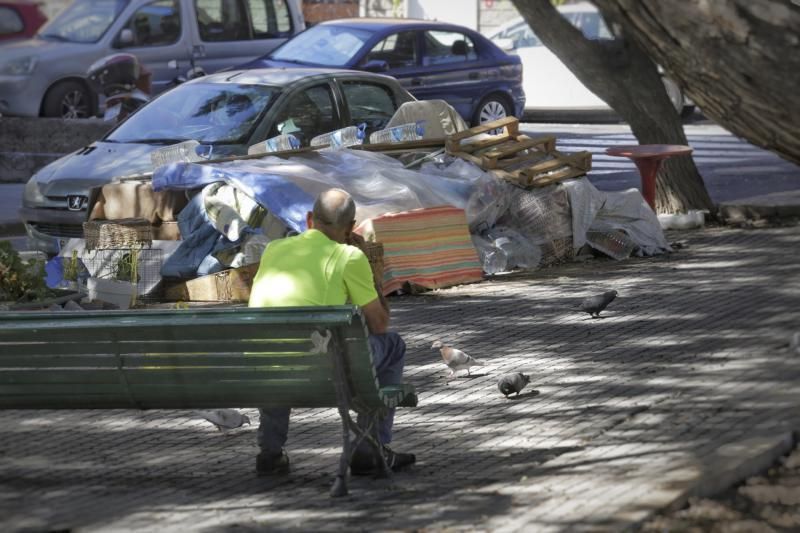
x=92, y=348
x=511, y=124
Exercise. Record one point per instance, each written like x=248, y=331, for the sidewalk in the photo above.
x=686, y=385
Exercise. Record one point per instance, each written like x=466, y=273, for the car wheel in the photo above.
x=493, y=107
x=69, y=99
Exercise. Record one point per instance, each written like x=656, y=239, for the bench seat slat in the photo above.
x=163, y=332
x=99, y=360
x=179, y=375
x=93, y=346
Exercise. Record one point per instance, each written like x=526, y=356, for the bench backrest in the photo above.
x=199, y=358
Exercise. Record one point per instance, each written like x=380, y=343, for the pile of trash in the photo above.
x=236, y=207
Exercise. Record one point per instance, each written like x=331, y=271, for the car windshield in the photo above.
x=84, y=21
x=212, y=113
x=328, y=45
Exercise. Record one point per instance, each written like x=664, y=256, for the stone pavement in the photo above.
x=685, y=386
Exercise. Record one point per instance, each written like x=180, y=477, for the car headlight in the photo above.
x=33, y=194
x=21, y=66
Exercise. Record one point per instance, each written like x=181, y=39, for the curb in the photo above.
x=732, y=464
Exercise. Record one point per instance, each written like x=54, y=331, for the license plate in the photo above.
x=112, y=112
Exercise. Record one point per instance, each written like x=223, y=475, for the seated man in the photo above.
x=318, y=268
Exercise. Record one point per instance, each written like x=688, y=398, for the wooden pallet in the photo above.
x=526, y=161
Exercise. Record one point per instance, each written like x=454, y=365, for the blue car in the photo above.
x=432, y=60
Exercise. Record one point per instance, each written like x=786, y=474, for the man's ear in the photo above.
x=310, y=220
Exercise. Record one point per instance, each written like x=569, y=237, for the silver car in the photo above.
x=46, y=75
x=227, y=111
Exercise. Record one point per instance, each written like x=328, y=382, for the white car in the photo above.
x=550, y=87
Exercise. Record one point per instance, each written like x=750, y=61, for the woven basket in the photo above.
x=374, y=253
x=122, y=233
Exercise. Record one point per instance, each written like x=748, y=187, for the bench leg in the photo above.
x=339, y=487
x=385, y=471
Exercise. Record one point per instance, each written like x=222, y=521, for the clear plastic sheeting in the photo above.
x=378, y=183
x=626, y=211
x=503, y=249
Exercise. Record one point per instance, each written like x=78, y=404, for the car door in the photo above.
x=367, y=102
x=451, y=70
x=158, y=28
x=230, y=32
x=305, y=112
x=400, y=52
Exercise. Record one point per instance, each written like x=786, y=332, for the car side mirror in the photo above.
x=125, y=37
x=376, y=65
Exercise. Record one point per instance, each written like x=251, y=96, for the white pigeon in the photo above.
x=455, y=359
x=225, y=419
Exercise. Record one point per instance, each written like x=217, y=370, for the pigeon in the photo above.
x=225, y=419
x=794, y=344
x=595, y=304
x=514, y=382
x=455, y=359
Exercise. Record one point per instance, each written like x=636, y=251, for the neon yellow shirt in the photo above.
x=311, y=270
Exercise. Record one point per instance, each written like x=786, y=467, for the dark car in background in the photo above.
x=19, y=19
x=432, y=60
x=228, y=111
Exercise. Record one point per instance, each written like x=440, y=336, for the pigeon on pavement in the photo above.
x=514, y=382
x=225, y=419
x=455, y=359
x=595, y=304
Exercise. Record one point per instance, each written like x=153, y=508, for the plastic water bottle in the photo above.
x=287, y=141
x=349, y=136
x=412, y=131
x=184, y=152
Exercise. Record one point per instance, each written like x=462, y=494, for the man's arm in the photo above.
x=376, y=316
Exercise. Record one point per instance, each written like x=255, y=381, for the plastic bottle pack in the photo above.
x=280, y=143
x=412, y=131
x=183, y=152
x=349, y=136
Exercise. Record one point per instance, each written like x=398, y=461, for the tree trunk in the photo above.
x=621, y=74
x=737, y=59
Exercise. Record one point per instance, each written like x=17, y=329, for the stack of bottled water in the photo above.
x=183, y=152
x=281, y=143
x=412, y=131
x=349, y=136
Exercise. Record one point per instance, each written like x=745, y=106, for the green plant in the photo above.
x=20, y=279
x=126, y=267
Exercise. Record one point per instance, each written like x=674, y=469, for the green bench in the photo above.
x=199, y=358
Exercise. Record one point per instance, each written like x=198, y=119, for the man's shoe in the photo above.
x=365, y=463
x=272, y=464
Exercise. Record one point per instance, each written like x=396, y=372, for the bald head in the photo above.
x=334, y=210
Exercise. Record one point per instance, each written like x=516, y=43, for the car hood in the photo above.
x=92, y=166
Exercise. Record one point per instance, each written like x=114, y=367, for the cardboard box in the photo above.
x=232, y=285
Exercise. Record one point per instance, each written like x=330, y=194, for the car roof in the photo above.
x=282, y=76
x=378, y=23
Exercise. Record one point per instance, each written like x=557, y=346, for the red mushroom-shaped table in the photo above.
x=648, y=158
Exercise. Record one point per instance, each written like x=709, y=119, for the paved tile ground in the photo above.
x=686, y=385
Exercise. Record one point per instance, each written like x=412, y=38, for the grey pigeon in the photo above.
x=225, y=419
x=595, y=304
x=794, y=344
x=455, y=359
x=514, y=382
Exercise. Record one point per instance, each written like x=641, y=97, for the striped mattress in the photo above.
x=429, y=247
